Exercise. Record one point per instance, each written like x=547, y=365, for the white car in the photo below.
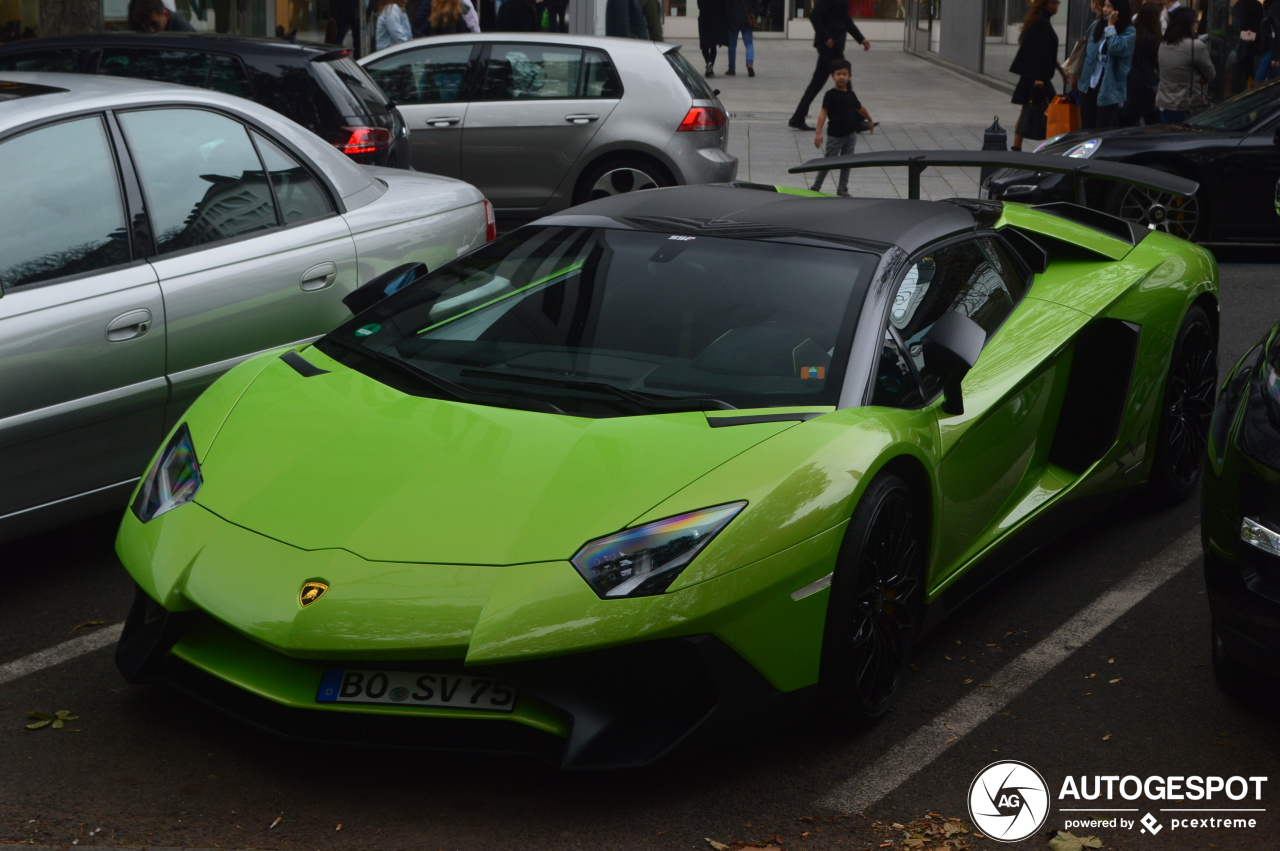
x=152, y=236
x=540, y=121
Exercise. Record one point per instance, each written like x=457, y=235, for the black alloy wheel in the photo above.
x=1187, y=409
x=877, y=595
x=1184, y=217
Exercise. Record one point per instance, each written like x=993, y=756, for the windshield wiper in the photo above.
x=444, y=385
x=647, y=402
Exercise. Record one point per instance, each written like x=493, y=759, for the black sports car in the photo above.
x=1240, y=521
x=1232, y=150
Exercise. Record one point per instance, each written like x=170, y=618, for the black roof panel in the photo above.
x=754, y=211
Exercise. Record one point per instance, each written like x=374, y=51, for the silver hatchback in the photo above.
x=542, y=121
x=152, y=236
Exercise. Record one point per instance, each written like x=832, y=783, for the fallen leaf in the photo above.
x=1111, y=661
x=81, y=626
x=1107, y=736
x=966, y=682
x=719, y=846
x=1066, y=841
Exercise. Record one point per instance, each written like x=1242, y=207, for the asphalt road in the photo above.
x=1092, y=658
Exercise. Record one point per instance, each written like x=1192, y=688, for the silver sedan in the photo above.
x=152, y=236
x=543, y=121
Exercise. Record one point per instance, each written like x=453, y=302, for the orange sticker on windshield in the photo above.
x=813, y=372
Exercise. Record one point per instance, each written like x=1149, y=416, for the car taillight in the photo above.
x=702, y=118
x=490, y=222
x=362, y=140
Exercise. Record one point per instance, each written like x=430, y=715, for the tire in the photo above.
x=1234, y=678
x=1184, y=217
x=877, y=594
x=1183, y=430
x=614, y=177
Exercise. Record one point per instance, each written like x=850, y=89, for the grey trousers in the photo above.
x=837, y=146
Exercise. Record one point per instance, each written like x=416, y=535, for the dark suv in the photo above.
x=318, y=86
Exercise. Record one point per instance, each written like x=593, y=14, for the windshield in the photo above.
x=1240, y=112
x=602, y=322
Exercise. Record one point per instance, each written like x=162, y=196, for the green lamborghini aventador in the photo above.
x=645, y=466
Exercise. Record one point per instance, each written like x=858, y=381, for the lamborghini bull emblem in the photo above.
x=311, y=591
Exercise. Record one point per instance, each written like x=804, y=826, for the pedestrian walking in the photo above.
x=1035, y=62
x=713, y=31
x=831, y=24
x=840, y=112
x=742, y=21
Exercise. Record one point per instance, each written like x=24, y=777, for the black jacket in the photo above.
x=830, y=19
x=1037, y=55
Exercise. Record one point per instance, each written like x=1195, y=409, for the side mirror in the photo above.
x=951, y=348
x=379, y=287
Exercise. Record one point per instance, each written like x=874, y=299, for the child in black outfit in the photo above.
x=842, y=107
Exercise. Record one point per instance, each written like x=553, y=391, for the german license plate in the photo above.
x=405, y=688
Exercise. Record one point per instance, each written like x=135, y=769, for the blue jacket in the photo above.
x=1114, y=87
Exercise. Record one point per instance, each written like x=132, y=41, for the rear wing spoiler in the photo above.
x=917, y=161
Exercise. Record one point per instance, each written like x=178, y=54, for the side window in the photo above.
x=59, y=59
x=600, y=79
x=228, y=75
x=185, y=67
x=428, y=75
x=897, y=382
x=202, y=179
x=532, y=72
x=976, y=277
x=61, y=213
x=298, y=192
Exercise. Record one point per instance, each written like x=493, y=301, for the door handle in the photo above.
x=129, y=326
x=581, y=118
x=444, y=121
x=319, y=276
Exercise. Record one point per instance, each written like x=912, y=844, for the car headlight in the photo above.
x=1084, y=150
x=645, y=560
x=172, y=480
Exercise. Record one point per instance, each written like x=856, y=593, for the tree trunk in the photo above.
x=70, y=17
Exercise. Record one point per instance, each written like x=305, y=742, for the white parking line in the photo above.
x=929, y=742
x=60, y=653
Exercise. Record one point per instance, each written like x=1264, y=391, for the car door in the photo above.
x=250, y=251
x=82, y=323
x=1249, y=190
x=992, y=456
x=538, y=107
x=429, y=86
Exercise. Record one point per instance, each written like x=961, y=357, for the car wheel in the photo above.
x=876, y=602
x=1184, y=217
x=1235, y=678
x=618, y=176
x=1187, y=408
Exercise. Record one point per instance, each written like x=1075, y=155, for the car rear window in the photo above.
x=692, y=80
x=351, y=87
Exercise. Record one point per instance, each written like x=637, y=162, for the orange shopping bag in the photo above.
x=1063, y=115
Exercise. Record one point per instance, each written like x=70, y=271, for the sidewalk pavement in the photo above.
x=917, y=104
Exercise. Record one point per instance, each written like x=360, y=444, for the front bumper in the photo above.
x=1243, y=480
x=616, y=708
